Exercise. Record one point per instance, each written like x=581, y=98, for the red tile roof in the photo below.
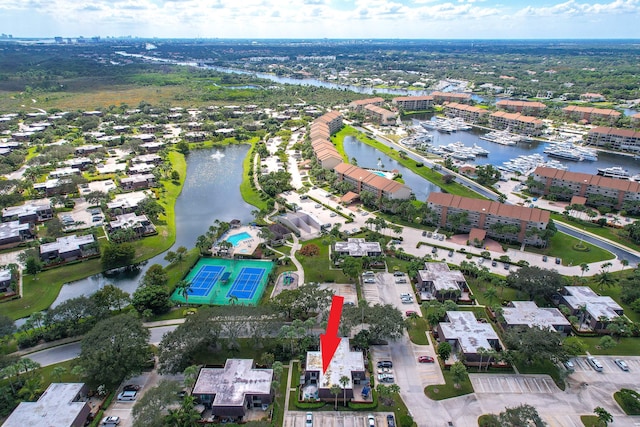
x=595, y=180
x=524, y=104
x=369, y=178
x=489, y=207
x=627, y=133
x=590, y=110
x=517, y=117
x=367, y=101
x=413, y=98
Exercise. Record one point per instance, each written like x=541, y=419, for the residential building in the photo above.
x=233, y=390
x=30, y=212
x=140, y=168
x=380, y=115
x=442, y=97
x=61, y=405
x=81, y=163
x=64, y=172
x=527, y=313
x=616, y=138
x=468, y=113
x=598, y=190
x=516, y=123
x=140, y=224
x=345, y=363
x=364, y=180
x=437, y=281
x=320, y=131
x=358, y=105
x=152, y=147
x=280, y=234
x=5, y=279
x=590, y=308
x=469, y=337
x=333, y=119
x=357, y=247
x=303, y=225
x=138, y=182
x=501, y=221
x=127, y=202
x=413, y=103
x=68, y=248
x=592, y=97
x=524, y=107
x=51, y=187
x=588, y=114
x=635, y=120
x=195, y=136
x=148, y=159
x=143, y=137
x=12, y=233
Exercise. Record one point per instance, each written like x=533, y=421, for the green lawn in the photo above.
x=278, y=404
x=447, y=390
x=625, y=347
x=628, y=411
x=590, y=420
x=249, y=194
x=616, y=235
x=614, y=292
x=562, y=246
x=418, y=327
x=316, y=268
x=478, y=288
x=425, y=172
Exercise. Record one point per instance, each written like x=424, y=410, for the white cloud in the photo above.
x=574, y=8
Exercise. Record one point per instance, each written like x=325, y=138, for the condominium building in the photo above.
x=413, y=103
x=437, y=281
x=590, y=308
x=527, y=313
x=616, y=138
x=468, y=113
x=469, y=337
x=598, y=190
x=587, y=114
x=442, y=97
x=68, y=248
x=320, y=131
x=509, y=222
x=525, y=107
x=358, y=105
x=30, y=212
x=516, y=123
x=138, y=182
x=380, y=115
x=364, y=180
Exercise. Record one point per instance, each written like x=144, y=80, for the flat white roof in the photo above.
x=67, y=243
x=529, y=314
x=357, y=247
x=344, y=362
x=470, y=334
x=233, y=382
x=442, y=278
x=596, y=305
x=56, y=407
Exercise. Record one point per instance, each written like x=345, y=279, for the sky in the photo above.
x=359, y=19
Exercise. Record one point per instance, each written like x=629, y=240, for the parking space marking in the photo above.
x=517, y=384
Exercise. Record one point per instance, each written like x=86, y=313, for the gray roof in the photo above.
x=442, y=278
x=233, y=382
x=12, y=229
x=358, y=247
x=344, y=363
x=66, y=244
x=527, y=313
x=128, y=200
x=143, y=177
x=26, y=209
x=597, y=305
x=57, y=407
x=128, y=220
x=470, y=334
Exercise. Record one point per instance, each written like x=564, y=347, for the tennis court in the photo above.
x=216, y=281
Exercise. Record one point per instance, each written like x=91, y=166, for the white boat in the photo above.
x=564, y=154
x=614, y=172
x=479, y=151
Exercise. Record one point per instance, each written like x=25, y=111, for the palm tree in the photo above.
x=183, y=287
x=190, y=374
x=490, y=294
x=57, y=372
x=605, y=266
x=344, y=380
x=233, y=299
x=335, y=390
x=31, y=388
x=584, y=267
x=605, y=279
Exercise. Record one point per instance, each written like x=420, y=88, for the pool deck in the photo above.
x=247, y=246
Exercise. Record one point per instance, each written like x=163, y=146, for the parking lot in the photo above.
x=335, y=419
x=389, y=292
x=80, y=217
x=611, y=373
x=345, y=290
x=513, y=383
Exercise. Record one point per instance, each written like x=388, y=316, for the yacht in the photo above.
x=479, y=151
x=614, y=172
x=564, y=154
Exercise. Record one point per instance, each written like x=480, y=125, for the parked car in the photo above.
x=544, y=258
x=371, y=420
x=569, y=365
x=369, y=280
x=385, y=378
x=595, y=363
x=558, y=261
x=401, y=280
x=434, y=250
x=398, y=273
x=391, y=422
x=385, y=364
x=425, y=359
x=411, y=313
x=621, y=364
x=110, y=421
x=406, y=295
x=424, y=233
x=506, y=266
x=450, y=253
x=128, y=395
x=131, y=387
x=332, y=214
x=308, y=420
x=494, y=263
x=407, y=300
x=429, y=234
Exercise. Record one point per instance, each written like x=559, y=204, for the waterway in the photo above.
x=211, y=191
x=370, y=158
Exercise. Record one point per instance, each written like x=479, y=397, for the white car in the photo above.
x=308, y=420
x=621, y=364
x=371, y=420
x=128, y=395
x=110, y=421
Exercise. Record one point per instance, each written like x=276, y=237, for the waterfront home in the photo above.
x=68, y=248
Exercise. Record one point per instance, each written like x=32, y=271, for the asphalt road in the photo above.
x=621, y=253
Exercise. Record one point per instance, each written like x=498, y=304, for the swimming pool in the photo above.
x=382, y=174
x=234, y=239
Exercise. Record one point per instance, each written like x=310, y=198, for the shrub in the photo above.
x=629, y=400
x=310, y=405
x=310, y=250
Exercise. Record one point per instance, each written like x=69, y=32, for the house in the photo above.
x=437, y=281
x=232, y=390
x=140, y=224
x=469, y=337
x=592, y=97
x=30, y=212
x=64, y=172
x=357, y=247
x=591, y=308
x=12, y=233
x=508, y=222
x=61, y=405
x=140, y=168
x=598, y=190
x=68, y=248
x=150, y=159
x=345, y=363
x=152, y=147
x=51, y=187
x=127, y=202
x=527, y=313
x=138, y=182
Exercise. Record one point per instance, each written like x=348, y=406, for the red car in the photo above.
x=410, y=313
x=425, y=359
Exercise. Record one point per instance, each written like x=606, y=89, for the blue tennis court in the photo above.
x=204, y=280
x=246, y=283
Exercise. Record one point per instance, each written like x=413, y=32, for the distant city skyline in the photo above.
x=360, y=19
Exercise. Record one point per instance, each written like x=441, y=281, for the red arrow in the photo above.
x=329, y=341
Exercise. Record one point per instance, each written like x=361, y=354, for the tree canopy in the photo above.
x=536, y=282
